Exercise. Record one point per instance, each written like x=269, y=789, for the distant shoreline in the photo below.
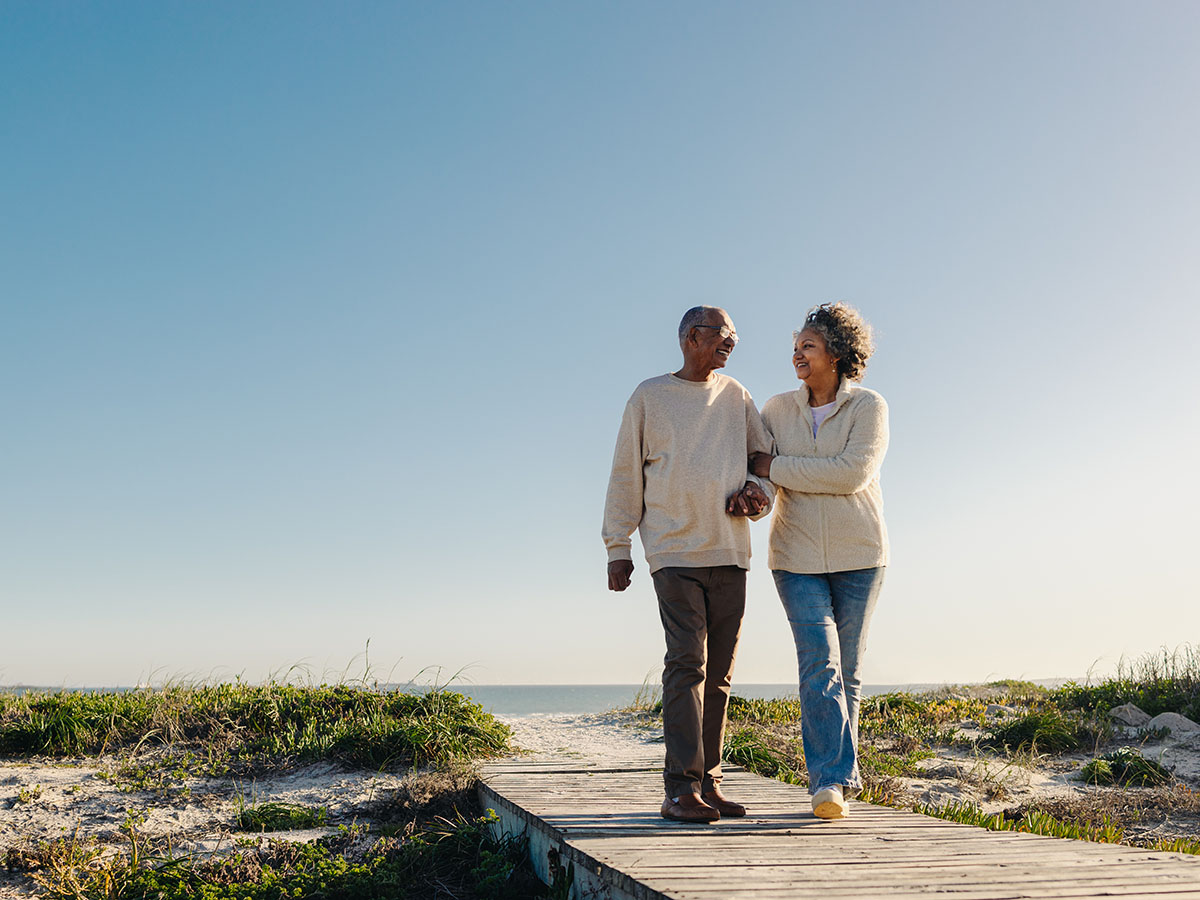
x=457, y=685
x=579, y=699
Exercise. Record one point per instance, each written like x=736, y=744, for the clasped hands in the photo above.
x=749, y=501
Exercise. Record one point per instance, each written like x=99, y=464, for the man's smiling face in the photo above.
x=712, y=347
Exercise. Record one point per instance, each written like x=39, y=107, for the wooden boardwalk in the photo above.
x=604, y=821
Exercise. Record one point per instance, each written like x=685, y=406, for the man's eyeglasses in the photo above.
x=724, y=330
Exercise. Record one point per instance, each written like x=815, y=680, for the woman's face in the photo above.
x=811, y=357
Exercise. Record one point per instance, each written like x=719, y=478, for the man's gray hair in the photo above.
x=693, y=317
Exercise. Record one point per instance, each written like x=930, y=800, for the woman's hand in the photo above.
x=760, y=464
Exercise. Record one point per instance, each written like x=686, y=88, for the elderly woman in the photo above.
x=828, y=542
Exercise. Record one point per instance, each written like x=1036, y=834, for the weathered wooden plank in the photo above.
x=651, y=862
x=989, y=892
x=997, y=892
x=653, y=837
x=928, y=860
x=883, y=876
x=911, y=871
x=859, y=887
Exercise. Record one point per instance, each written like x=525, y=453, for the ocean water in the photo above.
x=532, y=699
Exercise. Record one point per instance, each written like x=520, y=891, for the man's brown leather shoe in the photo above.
x=689, y=808
x=723, y=804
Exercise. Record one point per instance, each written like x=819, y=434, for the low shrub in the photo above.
x=281, y=817
x=928, y=718
x=1047, y=731
x=1125, y=766
x=755, y=752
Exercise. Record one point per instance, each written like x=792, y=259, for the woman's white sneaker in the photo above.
x=828, y=803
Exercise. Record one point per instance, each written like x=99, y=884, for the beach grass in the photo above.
x=1032, y=822
x=429, y=840
x=457, y=857
x=647, y=701
x=240, y=727
x=784, y=710
x=1048, y=730
x=281, y=817
x=1165, y=681
x=766, y=753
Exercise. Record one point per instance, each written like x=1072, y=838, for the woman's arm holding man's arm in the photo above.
x=848, y=472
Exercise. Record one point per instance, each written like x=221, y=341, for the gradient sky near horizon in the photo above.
x=319, y=319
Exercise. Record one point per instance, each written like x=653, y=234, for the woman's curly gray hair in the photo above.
x=847, y=336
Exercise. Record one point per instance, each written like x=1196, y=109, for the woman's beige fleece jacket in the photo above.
x=829, y=511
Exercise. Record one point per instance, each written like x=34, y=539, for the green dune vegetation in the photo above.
x=427, y=839
x=141, y=773
x=1132, y=799
x=992, y=736
x=223, y=728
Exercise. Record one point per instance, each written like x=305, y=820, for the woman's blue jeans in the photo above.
x=829, y=615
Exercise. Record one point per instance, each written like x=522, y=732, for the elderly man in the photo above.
x=679, y=477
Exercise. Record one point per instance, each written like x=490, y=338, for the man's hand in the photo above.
x=619, y=572
x=737, y=504
x=760, y=464
x=749, y=501
x=756, y=496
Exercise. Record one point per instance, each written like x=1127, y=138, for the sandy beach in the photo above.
x=47, y=799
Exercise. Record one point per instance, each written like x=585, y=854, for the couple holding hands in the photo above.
x=694, y=461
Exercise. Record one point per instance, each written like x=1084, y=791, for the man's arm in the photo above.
x=758, y=440
x=624, y=503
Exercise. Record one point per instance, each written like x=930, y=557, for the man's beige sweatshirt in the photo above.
x=681, y=452
x=829, y=514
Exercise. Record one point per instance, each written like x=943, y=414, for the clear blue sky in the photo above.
x=318, y=321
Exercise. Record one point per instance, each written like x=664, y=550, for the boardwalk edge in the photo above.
x=548, y=848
